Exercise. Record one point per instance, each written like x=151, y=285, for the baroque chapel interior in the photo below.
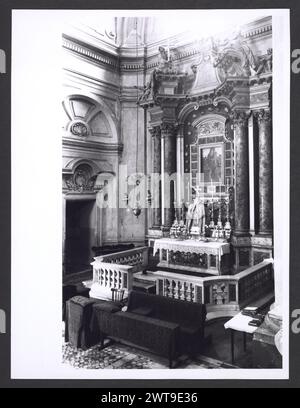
x=167, y=184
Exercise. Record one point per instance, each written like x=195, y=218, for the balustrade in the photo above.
x=137, y=257
x=228, y=292
x=116, y=271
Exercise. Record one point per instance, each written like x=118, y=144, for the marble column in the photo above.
x=169, y=169
x=156, y=170
x=265, y=172
x=251, y=177
x=180, y=169
x=241, y=157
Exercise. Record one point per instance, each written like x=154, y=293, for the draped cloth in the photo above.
x=78, y=322
x=210, y=248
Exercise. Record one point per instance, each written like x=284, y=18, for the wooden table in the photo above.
x=239, y=323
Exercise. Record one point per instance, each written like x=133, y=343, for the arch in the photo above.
x=100, y=106
x=209, y=117
x=185, y=111
x=219, y=102
x=74, y=163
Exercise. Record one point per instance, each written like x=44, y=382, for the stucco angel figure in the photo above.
x=164, y=61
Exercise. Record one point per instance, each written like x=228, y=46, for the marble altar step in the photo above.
x=181, y=271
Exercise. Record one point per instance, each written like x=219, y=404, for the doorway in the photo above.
x=79, y=235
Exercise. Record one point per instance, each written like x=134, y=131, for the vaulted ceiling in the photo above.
x=127, y=31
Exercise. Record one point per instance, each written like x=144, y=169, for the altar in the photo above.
x=194, y=256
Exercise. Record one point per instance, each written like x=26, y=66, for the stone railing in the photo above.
x=137, y=257
x=223, y=295
x=108, y=276
x=116, y=271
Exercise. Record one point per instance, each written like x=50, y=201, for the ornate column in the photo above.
x=168, y=169
x=241, y=150
x=156, y=170
x=180, y=168
x=265, y=172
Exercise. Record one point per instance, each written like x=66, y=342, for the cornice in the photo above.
x=254, y=29
x=90, y=52
x=89, y=145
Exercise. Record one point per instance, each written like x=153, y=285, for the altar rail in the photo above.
x=225, y=294
x=137, y=257
x=116, y=271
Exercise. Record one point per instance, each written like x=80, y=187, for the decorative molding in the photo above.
x=79, y=129
x=103, y=147
x=255, y=32
x=81, y=181
x=211, y=128
x=259, y=98
x=132, y=66
x=130, y=63
x=87, y=51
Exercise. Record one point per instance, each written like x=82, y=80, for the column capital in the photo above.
x=154, y=131
x=240, y=117
x=263, y=116
x=168, y=129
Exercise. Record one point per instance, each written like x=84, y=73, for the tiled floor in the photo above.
x=119, y=356
x=217, y=354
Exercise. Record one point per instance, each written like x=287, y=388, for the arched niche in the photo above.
x=207, y=152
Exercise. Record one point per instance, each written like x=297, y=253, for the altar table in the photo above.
x=192, y=255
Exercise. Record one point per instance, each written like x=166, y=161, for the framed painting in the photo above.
x=211, y=163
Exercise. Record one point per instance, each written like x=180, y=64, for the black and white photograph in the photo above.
x=160, y=160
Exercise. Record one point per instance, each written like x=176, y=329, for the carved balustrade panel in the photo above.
x=256, y=284
x=179, y=289
x=238, y=290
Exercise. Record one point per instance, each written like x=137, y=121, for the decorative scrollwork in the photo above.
x=82, y=180
x=211, y=128
x=79, y=129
